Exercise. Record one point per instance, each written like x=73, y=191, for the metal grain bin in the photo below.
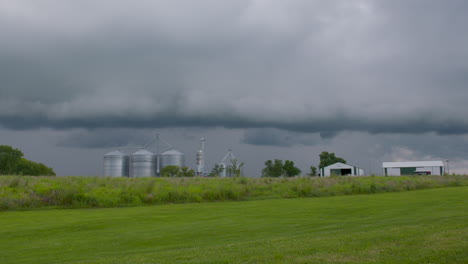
x=143, y=164
x=171, y=157
x=116, y=164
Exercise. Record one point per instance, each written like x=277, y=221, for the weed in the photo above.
x=23, y=192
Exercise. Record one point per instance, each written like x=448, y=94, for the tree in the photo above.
x=327, y=159
x=12, y=162
x=313, y=171
x=170, y=171
x=9, y=159
x=290, y=170
x=176, y=171
x=31, y=168
x=216, y=171
x=187, y=172
x=273, y=168
x=266, y=172
x=278, y=168
x=234, y=169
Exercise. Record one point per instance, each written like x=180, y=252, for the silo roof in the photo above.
x=172, y=152
x=143, y=152
x=339, y=165
x=115, y=153
x=408, y=164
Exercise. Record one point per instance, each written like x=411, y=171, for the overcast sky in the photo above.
x=371, y=80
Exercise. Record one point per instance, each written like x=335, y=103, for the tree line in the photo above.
x=234, y=169
x=277, y=167
x=274, y=168
x=12, y=162
x=280, y=168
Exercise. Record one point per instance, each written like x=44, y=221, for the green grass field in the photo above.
x=423, y=226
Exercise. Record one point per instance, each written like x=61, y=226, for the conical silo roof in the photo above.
x=115, y=153
x=143, y=152
x=171, y=157
x=172, y=152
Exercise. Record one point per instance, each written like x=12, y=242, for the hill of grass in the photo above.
x=22, y=193
x=424, y=226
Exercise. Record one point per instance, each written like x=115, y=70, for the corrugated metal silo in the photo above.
x=199, y=162
x=116, y=164
x=143, y=164
x=171, y=157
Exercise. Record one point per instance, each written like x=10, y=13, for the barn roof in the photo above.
x=340, y=165
x=411, y=164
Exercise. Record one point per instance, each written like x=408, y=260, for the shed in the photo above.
x=341, y=169
x=413, y=168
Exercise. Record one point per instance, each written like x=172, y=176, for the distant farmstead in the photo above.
x=413, y=168
x=341, y=169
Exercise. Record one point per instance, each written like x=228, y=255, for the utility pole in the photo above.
x=203, y=151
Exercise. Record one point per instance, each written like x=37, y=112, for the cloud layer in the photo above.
x=303, y=66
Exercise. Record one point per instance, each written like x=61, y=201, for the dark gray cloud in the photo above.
x=370, y=80
x=304, y=66
x=106, y=138
x=276, y=137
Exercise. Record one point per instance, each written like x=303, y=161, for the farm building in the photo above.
x=413, y=168
x=341, y=169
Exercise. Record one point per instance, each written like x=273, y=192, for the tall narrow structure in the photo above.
x=201, y=159
x=229, y=156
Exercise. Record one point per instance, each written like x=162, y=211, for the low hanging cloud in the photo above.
x=106, y=138
x=301, y=66
x=276, y=137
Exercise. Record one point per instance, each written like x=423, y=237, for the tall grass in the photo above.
x=22, y=192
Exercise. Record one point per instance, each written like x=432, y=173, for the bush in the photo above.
x=86, y=192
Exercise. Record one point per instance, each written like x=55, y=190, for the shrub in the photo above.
x=22, y=192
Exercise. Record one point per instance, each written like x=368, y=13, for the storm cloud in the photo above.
x=370, y=80
x=303, y=66
x=276, y=137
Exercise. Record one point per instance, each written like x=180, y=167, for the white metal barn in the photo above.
x=413, y=168
x=341, y=169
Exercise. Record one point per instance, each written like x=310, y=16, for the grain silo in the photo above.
x=171, y=158
x=116, y=164
x=143, y=164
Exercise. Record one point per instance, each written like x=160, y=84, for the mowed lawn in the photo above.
x=425, y=226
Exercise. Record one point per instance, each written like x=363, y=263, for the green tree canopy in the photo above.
x=176, y=171
x=13, y=163
x=290, y=170
x=170, y=171
x=313, y=171
x=273, y=168
x=9, y=159
x=278, y=168
x=187, y=172
x=327, y=159
x=216, y=171
x=235, y=168
x=31, y=168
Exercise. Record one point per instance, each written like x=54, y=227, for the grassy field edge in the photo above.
x=26, y=193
